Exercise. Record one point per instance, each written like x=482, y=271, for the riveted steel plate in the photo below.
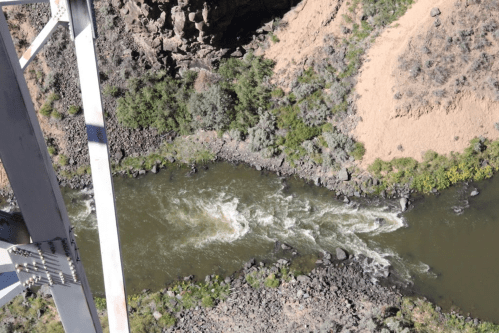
x=44, y=263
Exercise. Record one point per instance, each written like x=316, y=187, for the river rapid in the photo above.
x=174, y=224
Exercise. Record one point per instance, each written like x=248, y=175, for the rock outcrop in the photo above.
x=195, y=33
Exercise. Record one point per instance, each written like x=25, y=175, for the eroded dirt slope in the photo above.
x=423, y=85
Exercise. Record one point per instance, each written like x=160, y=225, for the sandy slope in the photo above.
x=307, y=24
x=444, y=129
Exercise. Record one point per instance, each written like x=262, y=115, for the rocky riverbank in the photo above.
x=335, y=296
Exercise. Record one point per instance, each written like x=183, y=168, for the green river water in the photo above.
x=173, y=225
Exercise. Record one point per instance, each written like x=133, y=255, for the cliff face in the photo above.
x=195, y=33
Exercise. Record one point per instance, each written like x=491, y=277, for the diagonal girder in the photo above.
x=112, y=265
x=38, y=43
x=8, y=293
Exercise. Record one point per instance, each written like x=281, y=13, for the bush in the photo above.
x=63, y=160
x=235, y=134
x=52, y=150
x=46, y=109
x=247, y=80
x=111, y=91
x=336, y=139
x=385, y=11
x=274, y=38
x=304, y=90
x=54, y=97
x=73, y=109
x=338, y=93
x=271, y=281
x=260, y=139
x=56, y=114
x=100, y=303
x=157, y=101
x=313, y=114
x=277, y=93
x=309, y=147
x=211, y=110
x=358, y=151
x=167, y=320
x=207, y=301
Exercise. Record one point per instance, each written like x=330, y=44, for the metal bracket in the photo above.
x=41, y=263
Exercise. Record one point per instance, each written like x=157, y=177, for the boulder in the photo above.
x=343, y=175
x=474, y=193
x=341, y=254
x=403, y=204
x=157, y=315
x=435, y=12
x=303, y=279
x=154, y=169
x=250, y=263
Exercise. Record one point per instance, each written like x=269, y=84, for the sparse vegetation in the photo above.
x=437, y=172
x=110, y=91
x=73, y=109
x=56, y=115
x=63, y=160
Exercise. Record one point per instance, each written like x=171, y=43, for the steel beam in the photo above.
x=112, y=266
x=39, y=42
x=8, y=293
x=6, y=264
x=29, y=168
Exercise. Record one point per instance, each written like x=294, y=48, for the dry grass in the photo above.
x=455, y=57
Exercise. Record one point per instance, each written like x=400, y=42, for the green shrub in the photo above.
x=52, y=327
x=46, y=109
x=246, y=79
x=111, y=91
x=277, y=93
x=207, y=301
x=440, y=171
x=53, y=97
x=297, y=131
x=157, y=101
x=358, y=151
x=52, y=150
x=63, y=159
x=73, y=109
x=56, y=114
x=84, y=169
x=212, y=109
x=385, y=11
x=167, y=320
x=100, y=303
x=274, y=38
x=271, y=281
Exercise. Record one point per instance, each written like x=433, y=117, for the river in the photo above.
x=173, y=224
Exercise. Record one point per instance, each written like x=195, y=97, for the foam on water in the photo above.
x=204, y=218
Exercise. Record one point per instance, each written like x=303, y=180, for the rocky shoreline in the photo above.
x=335, y=296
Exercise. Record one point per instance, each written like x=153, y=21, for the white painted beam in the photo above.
x=107, y=221
x=7, y=294
x=6, y=264
x=38, y=43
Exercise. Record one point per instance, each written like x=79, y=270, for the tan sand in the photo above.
x=439, y=128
